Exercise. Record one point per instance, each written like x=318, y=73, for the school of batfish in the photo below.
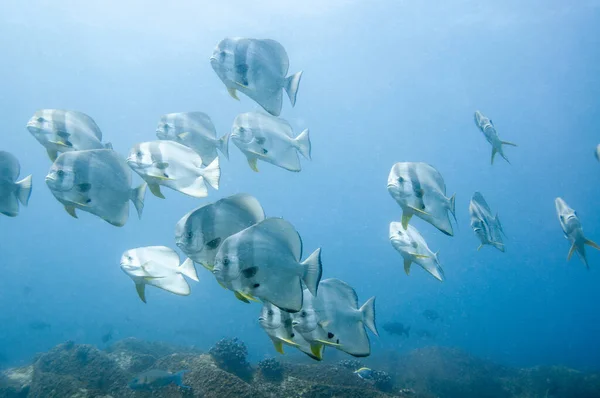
x=257, y=258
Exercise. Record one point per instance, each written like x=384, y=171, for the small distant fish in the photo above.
x=397, y=328
x=278, y=325
x=12, y=191
x=489, y=131
x=338, y=314
x=270, y=139
x=420, y=190
x=158, y=266
x=486, y=226
x=431, y=315
x=573, y=230
x=173, y=165
x=155, y=379
x=60, y=130
x=106, y=337
x=97, y=181
x=413, y=248
x=199, y=233
x=597, y=152
x=194, y=130
x=364, y=373
x=264, y=261
x=39, y=325
x=257, y=68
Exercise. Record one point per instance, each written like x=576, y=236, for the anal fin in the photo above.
x=71, y=210
x=141, y=291
x=407, y=266
x=155, y=189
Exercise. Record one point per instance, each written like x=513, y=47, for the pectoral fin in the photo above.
x=329, y=343
x=419, y=211
x=290, y=342
x=417, y=255
x=161, y=165
x=239, y=296
x=183, y=135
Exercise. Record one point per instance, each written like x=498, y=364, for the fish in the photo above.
x=278, y=326
x=486, y=226
x=307, y=322
x=194, y=130
x=39, y=325
x=420, y=190
x=12, y=191
x=571, y=226
x=336, y=312
x=431, y=315
x=106, y=337
x=597, y=153
x=200, y=232
x=170, y=164
x=60, y=130
x=263, y=261
x=364, y=373
x=97, y=181
x=489, y=131
x=155, y=379
x=257, y=68
x=413, y=248
x=158, y=266
x=270, y=139
x=397, y=328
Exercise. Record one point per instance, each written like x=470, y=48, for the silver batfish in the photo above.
x=60, y=130
x=489, y=131
x=573, y=230
x=194, y=130
x=486, y=226
x=413, y=248
x=176, y=166
x=97, y=181
x=257, y=68
x=270, y=139
x=12, y=191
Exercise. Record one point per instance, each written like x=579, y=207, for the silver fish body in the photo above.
x=257, y=68
x=413, y=248
x=97, y=181
x=199, y=233
x=489, y=131
x=486, y=226
x=270, y=139
x=597, y=153
x=420, y=190
x=571, y=226
x=264, y=261
x=60, y=130
x=194, y=130
x=12, y=191
x=173, y=165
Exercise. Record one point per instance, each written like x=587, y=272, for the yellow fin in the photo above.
x=252, y=163
x=591, y=243
x=419, y=211
x=278, y=346
x=329, y=343
x=405, y=219
x=240, y=297
x=246, y=296
x=183, y=135
x=241, y=85
x=407, y=266
x=417, y=255
x=209, y=267
x=571, y=251
x=324, y=324
x=52, y=154
x=141, y=291
x=480, y=246
x=233, y=93
x=290, y=342
x=317, y=350
x=71, y=210
x=155, y=189
x=160, y=178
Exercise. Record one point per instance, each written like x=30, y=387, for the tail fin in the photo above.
x=313, y=269
x=303, y=144
x=178, y=379
x=24, y=190
x=291, y=86
x=188, y=269
x=368, y=313
x=498, y=245
x=212, y=173
x=108, y=145
x=452, y=205
x=223, y=145
x=499, y=224
x=137, y=197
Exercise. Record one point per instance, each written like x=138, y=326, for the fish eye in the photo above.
x=400, y=179
x=139, y=154
x=270, y=312
x=60, y=173
x=303, y=314
x=225, y=262
x=40, y=119
x=190, y=235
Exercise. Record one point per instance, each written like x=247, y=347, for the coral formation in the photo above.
x=230, y=355
x=352, y=364
x=271, y=369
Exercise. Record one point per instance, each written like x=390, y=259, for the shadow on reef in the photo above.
x=83, y=371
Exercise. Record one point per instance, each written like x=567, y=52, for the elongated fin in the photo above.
x=187, y=268
x=493, y=154
x=52, y=154
x=252, y=164
x=71, y=210
x=303, y=144
x=313, y=269
x=407, y=263
x=498, y=245
x=452, y=206
x=24, y=190
x=291, y=86
x=278, y=344
x=327, y=343
x=406, y=219
x=508, y=143
x=317, y=350
x=246, y=296
x=592, y=243
x=141, y=291
x=289, y=342
x=417, y=255
x=479, y=247
x=223, y=145
x=423, y=212
x=571, y=251
x=212, y=173
x=137, y=197
x=368, y=312
x=233, y=93
x=155, y=189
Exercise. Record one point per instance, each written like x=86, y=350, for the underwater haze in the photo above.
x=383, y=82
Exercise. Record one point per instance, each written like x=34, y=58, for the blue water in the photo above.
x=384, y=82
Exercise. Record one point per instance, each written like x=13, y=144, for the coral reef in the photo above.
x=271, y=369
x=383, y=381
x=352, y=364
x=230, y=355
